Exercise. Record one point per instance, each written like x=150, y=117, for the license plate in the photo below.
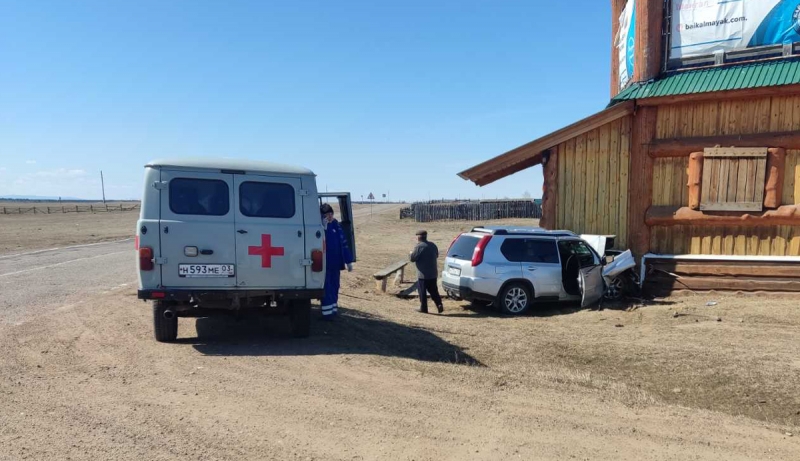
x=454, y=271
x=206, y=270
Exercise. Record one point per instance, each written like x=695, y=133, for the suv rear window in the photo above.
x=463, y=248
x=208, y=197
x=266, y=199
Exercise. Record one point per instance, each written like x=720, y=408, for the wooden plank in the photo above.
x=740, y=244
x=779, y=242
x=590, y=195
x=733, y=179
x=789, y=178
x=749, y=180
x=603, y=180
x=761, y=168
x=741, y=181
x=389, y=270
x=794, y=244
x=716, y=170
x=562, y=148
x=727, y=243
x=550, y=197
x=580, y=185
x=641, y=183
x=696, y=241
x=705, y=189
x=722, y=187
x=612, y=222
x=735, y=152
x=623, y=211
x=797, y=179
x=722, y=284
x=786, y=215
x=683, y=146
x=732, y=206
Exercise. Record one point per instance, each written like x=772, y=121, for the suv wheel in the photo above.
x=300, y=317
x=514, y=299
x=165, y=322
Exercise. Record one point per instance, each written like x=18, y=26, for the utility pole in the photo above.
x=103, y=185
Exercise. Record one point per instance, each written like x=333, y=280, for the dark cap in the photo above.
x=422, y=233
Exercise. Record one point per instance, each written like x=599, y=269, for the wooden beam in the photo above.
x=640, y=189
x=695, y=173
x=776, y=164
x=649, y=40
x=616, y=10
x=761, y=92
x=727, y=268
x=508, y=163
x=664, y=284
x=550, y=195
x=681, y=147
x=508, y=170
x=787, y=215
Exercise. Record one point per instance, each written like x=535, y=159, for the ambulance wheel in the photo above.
x=300, y=317
x=165, y=322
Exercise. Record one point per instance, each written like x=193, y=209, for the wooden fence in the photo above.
x=69, y=209
x=473, y=211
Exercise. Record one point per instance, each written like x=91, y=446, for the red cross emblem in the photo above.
x=266, y=250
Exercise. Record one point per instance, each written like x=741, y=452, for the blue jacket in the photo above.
x=337, y=252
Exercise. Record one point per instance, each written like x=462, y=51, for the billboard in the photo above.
x=625, y=41
x=703, y=27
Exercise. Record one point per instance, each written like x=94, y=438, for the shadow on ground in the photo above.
x=353, y=332
x=552, y=309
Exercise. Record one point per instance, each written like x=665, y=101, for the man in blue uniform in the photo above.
x=337, y=257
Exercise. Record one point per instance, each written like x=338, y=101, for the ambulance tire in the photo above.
x=300, y=317
x=166, y=329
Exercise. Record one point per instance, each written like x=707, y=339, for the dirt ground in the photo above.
x=39, y=231
x=670, y=379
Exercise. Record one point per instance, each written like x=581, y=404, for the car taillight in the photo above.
x=316, y=260
x=477, y=256
x=146, y=259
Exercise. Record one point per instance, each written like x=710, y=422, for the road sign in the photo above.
x=371, y=197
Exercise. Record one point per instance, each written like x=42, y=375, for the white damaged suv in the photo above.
x=513, y=267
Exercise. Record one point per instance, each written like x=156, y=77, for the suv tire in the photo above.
x=300, y=317
x=514, y=299
x=165, y=329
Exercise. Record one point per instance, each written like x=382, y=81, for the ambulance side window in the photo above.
x=267, y=200
x=199, y=196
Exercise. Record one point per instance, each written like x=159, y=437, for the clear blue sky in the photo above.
x=373, y=96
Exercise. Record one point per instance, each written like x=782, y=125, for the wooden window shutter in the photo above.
x=733, y=179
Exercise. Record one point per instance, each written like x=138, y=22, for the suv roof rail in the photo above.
x=513, y=230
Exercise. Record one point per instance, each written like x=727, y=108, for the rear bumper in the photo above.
x=465, y=293
x=186, y=295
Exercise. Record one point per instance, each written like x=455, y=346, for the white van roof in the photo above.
x=248, y=166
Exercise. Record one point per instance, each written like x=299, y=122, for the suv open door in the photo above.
x=344, y=216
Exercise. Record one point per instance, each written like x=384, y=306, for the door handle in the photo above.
x=531, y=268
x=206, y=252
x=241, y=231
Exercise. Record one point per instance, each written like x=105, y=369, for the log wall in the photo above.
x=749, y=116
x=593, y=172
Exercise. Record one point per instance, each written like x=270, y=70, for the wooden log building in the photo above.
x=694, y=164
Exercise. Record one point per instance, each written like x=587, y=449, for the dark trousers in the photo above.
x=425, y=286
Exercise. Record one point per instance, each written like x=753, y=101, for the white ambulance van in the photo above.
x=225, y=235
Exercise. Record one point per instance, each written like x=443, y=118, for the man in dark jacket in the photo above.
x=425, y=255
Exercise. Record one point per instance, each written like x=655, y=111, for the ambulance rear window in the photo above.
x=266, y=199
x=208, y=197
